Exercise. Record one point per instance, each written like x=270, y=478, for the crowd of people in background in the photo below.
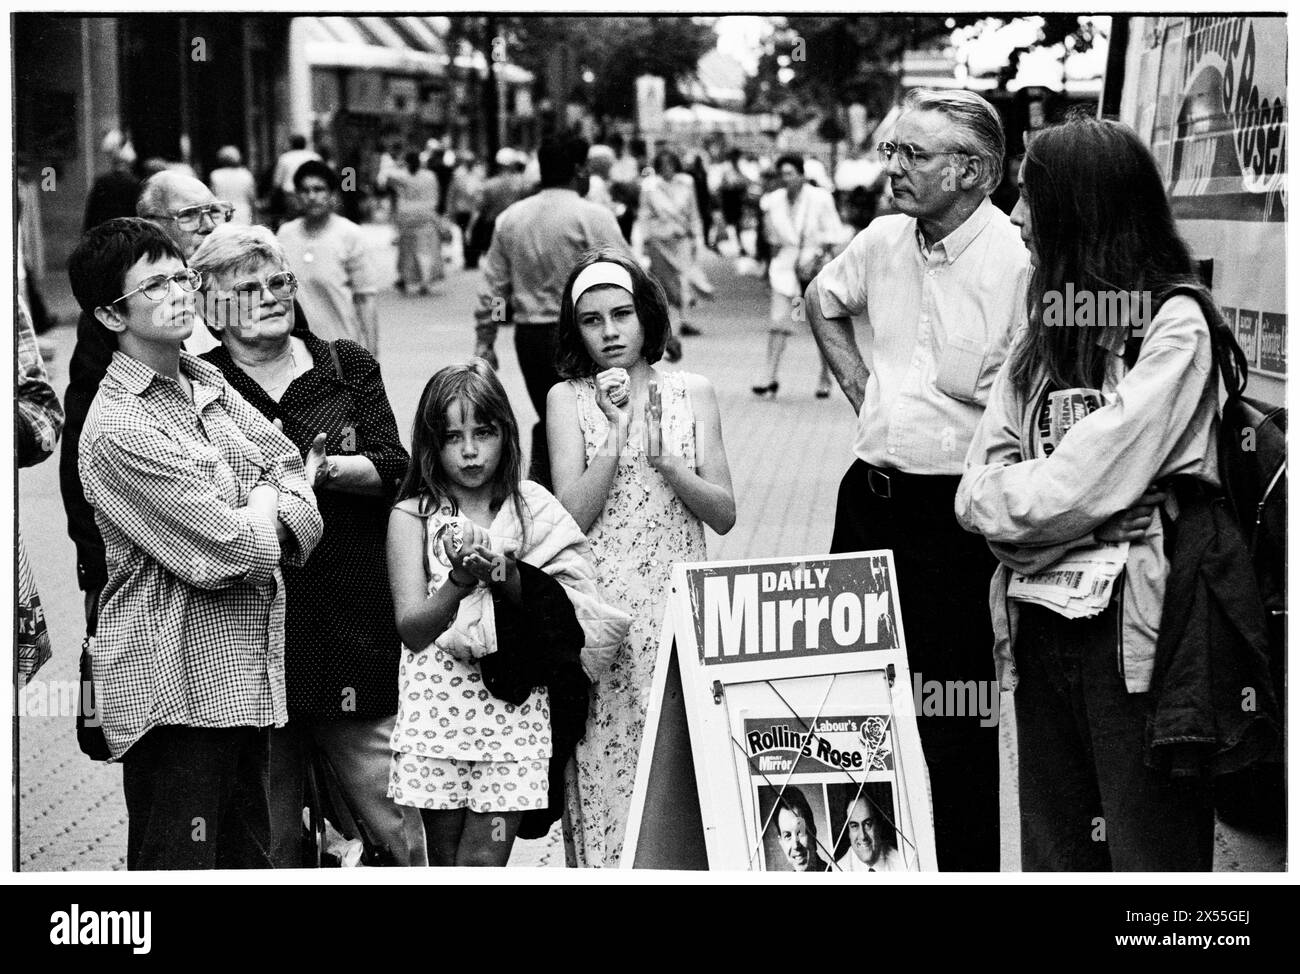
x=278, y=593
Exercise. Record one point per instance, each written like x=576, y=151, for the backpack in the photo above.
x=1252, y=468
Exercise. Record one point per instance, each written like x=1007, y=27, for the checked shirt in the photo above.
x=191, y=619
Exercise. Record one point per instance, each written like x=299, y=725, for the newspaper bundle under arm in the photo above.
x=1079, y=585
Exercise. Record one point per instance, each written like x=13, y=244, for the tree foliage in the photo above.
x=611, y=51
x=814, y=66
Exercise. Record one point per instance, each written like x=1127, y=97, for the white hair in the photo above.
x=978, y=121
x=232, y=246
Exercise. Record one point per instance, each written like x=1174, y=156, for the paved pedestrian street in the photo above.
x=787, y=456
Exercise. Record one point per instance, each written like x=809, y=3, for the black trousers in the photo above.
x=468, y=249
x=1088, y=801
x=197, y=798
x=535, y=347
x=943, y=585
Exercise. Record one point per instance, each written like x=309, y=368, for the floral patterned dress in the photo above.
x=643, y=530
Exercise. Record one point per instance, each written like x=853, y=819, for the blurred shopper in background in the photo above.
x=232, y=181
x=419, y=227
x=329, y=257
x=673, y=232
x=803, y=228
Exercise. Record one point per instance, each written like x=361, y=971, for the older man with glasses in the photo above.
x=937, y=291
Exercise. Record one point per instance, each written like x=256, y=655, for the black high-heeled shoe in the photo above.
x=766, y=390
x=822, y=392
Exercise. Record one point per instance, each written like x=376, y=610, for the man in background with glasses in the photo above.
x=938, y=290
x=198, y=499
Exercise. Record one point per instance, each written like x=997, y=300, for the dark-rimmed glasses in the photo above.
x=908, y=153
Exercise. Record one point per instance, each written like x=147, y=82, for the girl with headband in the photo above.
x=637, y=458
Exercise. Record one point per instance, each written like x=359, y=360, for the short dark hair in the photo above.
x=789, y=159
x=297, y=141
x=98, y=265
x=668, y=157
x=314, y=167
x=794, y=801
x=558, y=158
x=571, y=358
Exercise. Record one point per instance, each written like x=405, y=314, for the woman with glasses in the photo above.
x=341, y=645
x=200, y=501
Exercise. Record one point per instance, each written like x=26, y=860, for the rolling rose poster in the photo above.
x=790, y=611
x=1218, y=128
x=830, y=744
x=825, y=795
x=802, y=723
x=1229, y=145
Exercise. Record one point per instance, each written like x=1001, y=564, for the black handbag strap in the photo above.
x=338, y=363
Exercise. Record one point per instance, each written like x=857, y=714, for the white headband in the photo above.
x=601, y=272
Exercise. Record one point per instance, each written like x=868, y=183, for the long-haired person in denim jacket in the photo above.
x=1098, y=225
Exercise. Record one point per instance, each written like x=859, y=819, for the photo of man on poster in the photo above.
x=861, y=817
x=792, y=829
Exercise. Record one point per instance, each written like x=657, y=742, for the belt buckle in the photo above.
x=888, y=491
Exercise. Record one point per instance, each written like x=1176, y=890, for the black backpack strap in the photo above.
x=1228, y=360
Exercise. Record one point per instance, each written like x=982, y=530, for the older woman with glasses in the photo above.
x=341, y=645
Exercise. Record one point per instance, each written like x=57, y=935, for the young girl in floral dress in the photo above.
x=464, y=530
x=637, y=459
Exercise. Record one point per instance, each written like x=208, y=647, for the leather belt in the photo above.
x=889, y=484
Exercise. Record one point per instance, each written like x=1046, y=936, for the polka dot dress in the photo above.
x=455, y=745
x=341, y=642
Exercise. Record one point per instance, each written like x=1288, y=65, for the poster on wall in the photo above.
x=1218, y=128
x=801, y=734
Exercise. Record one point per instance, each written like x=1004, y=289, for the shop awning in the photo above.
x=410, y=45
x=405, y=45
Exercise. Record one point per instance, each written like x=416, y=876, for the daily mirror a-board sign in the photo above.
x=802, y=753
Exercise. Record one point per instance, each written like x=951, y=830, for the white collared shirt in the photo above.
x=889, y=861
x=933, y=329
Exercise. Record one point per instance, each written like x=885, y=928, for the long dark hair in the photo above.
x=476, y=386
x=572, y=360
x=1101, y=223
